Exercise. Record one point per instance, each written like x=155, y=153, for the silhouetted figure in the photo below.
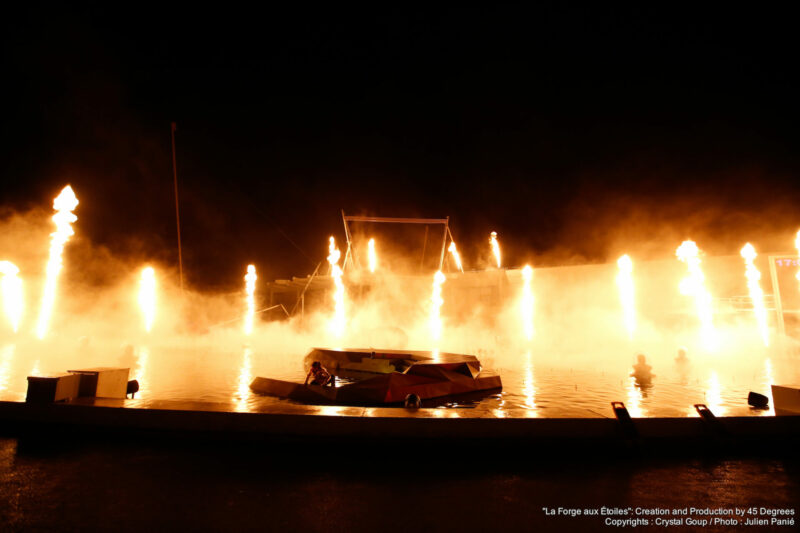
x=412, y=401
x=642, y=372
x=681, y=360
x=318, y=375
x=682, y=364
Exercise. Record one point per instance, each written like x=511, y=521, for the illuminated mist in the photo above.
x=196, y=338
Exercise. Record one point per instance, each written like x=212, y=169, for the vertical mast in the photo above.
x=177, y=209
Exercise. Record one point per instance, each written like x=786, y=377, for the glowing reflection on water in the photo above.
x=245, y=377
x=140, y=372
x=634, y=399
x=5, y=365
x=714, y=395
x=768, y=381
x=528, y=386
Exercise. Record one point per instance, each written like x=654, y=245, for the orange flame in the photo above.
x=250, y=289
x=64, y=204
x=436, y=305
x=694, y=285
x=147, y=297
x=626, y=293
x=756, y=294
x=527, y=303
x=13, y=300
x=495, y=247
x=455, y=254
x=337, y=323
x=373, y=258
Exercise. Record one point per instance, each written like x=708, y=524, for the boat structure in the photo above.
x=376, y=378
x=786, y=399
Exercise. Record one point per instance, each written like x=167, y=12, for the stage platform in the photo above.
x=376, y=424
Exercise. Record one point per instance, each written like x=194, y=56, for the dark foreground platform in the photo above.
x=167, y=485
x=460, y=427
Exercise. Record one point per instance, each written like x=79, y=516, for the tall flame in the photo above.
x=373, y=258
x=147, y=297
x=13, y=300
x=626, y=293
x=250, y=289
x=694, y=285
x=455, y=254
x=337, y=324
x=526, y=305
x=756, y=294
x=495, y=247
x=436, y=306
x=64, y=204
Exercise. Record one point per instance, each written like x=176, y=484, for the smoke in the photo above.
x=649, y=220
x=197, y=340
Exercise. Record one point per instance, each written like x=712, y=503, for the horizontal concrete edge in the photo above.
x=375, y=426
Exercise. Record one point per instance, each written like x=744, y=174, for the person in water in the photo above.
x=681, y=359
x=318, y=375
x=642, y=372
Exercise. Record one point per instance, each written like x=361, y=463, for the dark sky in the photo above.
x=529, y=121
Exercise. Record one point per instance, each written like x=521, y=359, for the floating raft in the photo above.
x=385, y=377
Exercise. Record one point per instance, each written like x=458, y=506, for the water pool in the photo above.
x=531, y=388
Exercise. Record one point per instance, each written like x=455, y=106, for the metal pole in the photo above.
x=302, y=298
x=349, y=253
x=177, y=209
x=776, y=293
x=444, y=241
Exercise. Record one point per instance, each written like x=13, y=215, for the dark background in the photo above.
x=548, y=125
x=162, y=484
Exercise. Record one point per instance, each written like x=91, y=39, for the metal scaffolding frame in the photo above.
x=350, y=253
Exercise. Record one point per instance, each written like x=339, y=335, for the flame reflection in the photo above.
x=245, y=377
x=6, y=355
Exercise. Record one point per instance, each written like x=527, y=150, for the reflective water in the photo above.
x=530, y=388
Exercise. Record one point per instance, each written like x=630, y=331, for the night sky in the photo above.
x=544, y=124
